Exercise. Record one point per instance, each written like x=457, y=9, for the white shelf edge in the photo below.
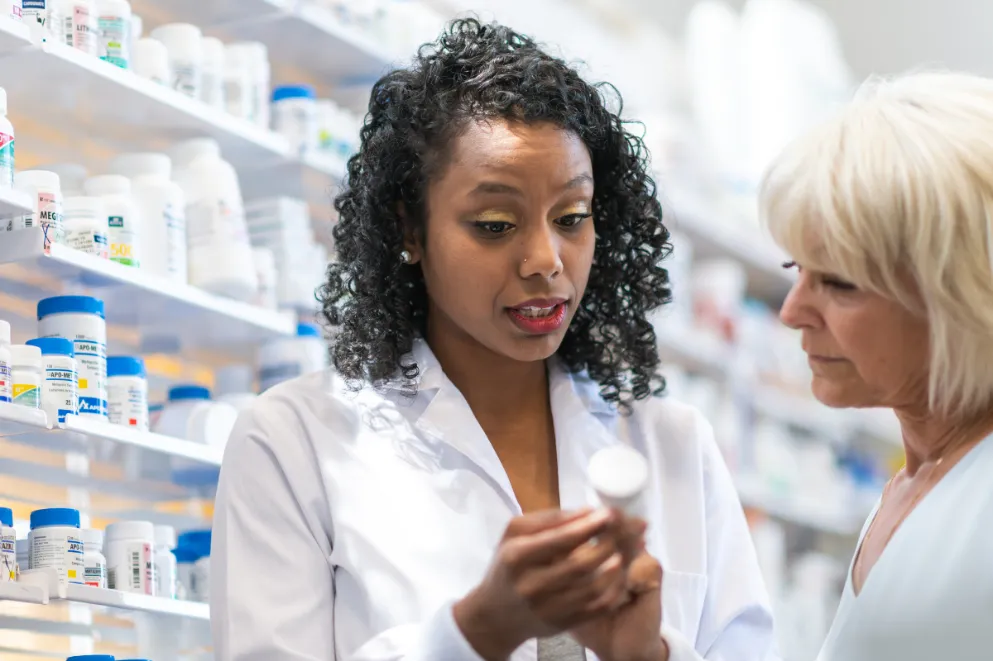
x=325, y=21
x=24, y=593
x=174, y=447
x=277, y=322
x=85, y=594
x=35, y=419
x=14, y=203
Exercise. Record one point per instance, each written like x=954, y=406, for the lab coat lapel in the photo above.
x=583, y=425
x=449, y=420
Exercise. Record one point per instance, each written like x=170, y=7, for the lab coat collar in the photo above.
x=583, y=424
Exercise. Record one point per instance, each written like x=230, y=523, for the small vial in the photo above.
x=619, y=476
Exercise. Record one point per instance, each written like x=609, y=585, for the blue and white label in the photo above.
x=91, y=366
x=58, y=397
x=6, y=385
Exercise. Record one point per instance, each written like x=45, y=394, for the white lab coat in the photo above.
x=348, y=523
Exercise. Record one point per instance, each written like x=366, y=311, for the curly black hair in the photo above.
x=479, y=71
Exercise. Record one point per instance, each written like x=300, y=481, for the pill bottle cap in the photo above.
x=55, y=516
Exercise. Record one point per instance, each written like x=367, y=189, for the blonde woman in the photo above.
x=887, y=211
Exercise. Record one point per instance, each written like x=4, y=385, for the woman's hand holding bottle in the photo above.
x=547, y=577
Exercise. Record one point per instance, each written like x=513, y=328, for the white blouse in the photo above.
x=929, y=596
x=348, y=523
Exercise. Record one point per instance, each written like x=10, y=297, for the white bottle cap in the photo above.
x=137, y=26
x=179, y=36
x=619, y=475
x=83, y=204
x=130, y=530
x=165, y=536
x=151, y=60
x=71, y=177
x=234, y=379
x=213, y=53
x=108, y=184
x=4, y=332
x=44, y=179
x=24, y=355
x=92, y=539
x=142, y=164
x=186, y=152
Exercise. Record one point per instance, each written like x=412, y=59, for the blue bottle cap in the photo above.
x=7, y=517
x=180, y=393
x=55, y=516
x=198, y=540
x=186, y=555
x=70, y=304
x=125, y=366
x=308, y=330
x=293, y=92
x=53, y=346
x=91, y=657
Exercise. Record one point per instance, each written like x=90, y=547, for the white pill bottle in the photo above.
x=127, y=392
x=129, y=547
x=220, y=253
x=162, y=207
x=81, y=320
x=58, y=385
x=165, y=561
x=8, y=546
x=114, y=24
x=26, y=375
x=94, y=561
x=124, y=219
x=6, y=385
x=6, y=145
x=46, y=193
x=80, y=27
x=56, y=542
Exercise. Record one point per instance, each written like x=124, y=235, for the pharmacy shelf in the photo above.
x=299, y=34
x=96, y=430
x=84, y=594
x=14, y=203
x=169, y=316
x=96, y=98
x=680, y=345
x=798, y=512
x=14, y=35
x=24, y=593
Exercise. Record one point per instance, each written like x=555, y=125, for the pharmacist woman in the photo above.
x=427, y=499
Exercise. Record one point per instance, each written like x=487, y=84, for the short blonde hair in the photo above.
x=898, y=184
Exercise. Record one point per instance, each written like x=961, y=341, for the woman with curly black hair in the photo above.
x=498, y=252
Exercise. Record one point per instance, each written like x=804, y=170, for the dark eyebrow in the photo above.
x=496, y=188
x=577, y=182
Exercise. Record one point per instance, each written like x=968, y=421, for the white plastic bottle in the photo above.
x=85, y=220
x=129, y=546
x=294, y=116
x=80, y=27
x=6, y=145
x=165, y=561
x=26, y=375
x=254, y=57
x=212, y=81
x=56, y=542
x=94, y=561
x=287, y=358
x=127, y=392
x=15, y=9
x=6, y=385
x=71, y=177
x=123, y=219
x=81, y=319
x=184, y=43
x=41, y=17
x=44, y=188
x=220, y=254
x=58, y=391
x=114, y=24
x=8, y=546
x=150, y=60
x=238, y=98
x=162, y=208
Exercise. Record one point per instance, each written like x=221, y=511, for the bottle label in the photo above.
x=27, y=394
x=8, y=555
x=114, y=38
x=132, y=568
x=186, y=79
x=122, y=240
x=175, y=222
x=49, y=218
x=91, y=363
x=59, y=395
x=6, y=387
x=60, y=551
x=96, y=575
x=80, y=29
x=91, y=242
x=6, y=160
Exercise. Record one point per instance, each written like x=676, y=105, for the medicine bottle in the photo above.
x=6, y=386
x=85, y=220
x=94, y=562
x=56, y=542
x=6, y=145
x=123, y=218
x=26, y=375
x=58, y=390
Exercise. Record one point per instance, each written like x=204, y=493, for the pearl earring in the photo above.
x=406, y=257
